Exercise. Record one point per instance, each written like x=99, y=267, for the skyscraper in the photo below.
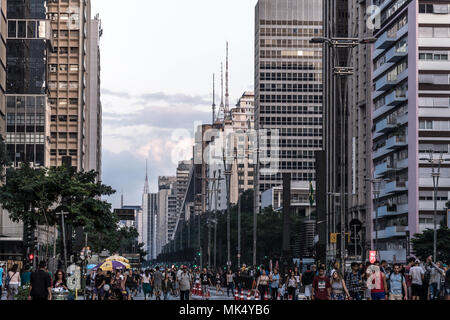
x=69, y=64
x=165, y=222
x=288, y=86
x=359, y=130
x=27, y=128
x=411, y=99
x=243, y=120
x=94, y=116
x=336, y=130
x=26, y=97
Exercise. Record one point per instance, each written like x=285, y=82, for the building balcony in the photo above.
x=386, y=40
x=386, y=167
x=395, y=54
x=395, y=186
x=384, y=126
x=391, y=232
x=396, y=98
x=381, y=152
x=387, y=81
x=394, y=210
x=396, y=142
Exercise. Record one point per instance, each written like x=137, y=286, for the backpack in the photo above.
x=8, y=280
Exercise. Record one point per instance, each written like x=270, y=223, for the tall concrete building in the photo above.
x=68, y=67
x=183, y=172
x=243, y=121
x=410, y=114
x=94, y=116
x=288, y=87
x=147, y=231
x=359, y=130
x=167, y=207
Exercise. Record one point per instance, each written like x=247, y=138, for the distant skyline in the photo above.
x=157, y=61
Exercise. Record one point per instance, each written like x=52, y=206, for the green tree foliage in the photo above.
x=33, y=195
x=423, y=244
x=269, y=235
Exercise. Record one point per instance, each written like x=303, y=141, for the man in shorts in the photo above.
x=417, y=274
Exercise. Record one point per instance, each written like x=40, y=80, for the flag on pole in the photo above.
x=311, y=194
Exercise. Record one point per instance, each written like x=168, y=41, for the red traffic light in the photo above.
x=31, y=256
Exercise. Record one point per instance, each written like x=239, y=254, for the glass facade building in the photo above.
x=26, y=102
x=288, y=87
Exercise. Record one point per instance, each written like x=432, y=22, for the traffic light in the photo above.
x=31, y=257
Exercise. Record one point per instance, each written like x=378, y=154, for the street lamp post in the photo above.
x=348, y=43
x=63, y=231
x=435, y=174
x=376, y=194
x=342, y=231
x=239, y=232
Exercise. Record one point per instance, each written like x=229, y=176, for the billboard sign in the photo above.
x=372, y=256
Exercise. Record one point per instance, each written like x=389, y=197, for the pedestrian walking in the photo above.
x=354, y=282
x=205, y=281
x=157, y=283
x=263, y=284
x=13, y=282
x=338, y=288
x=376, y=282
x=307, y=280
x=60, y=281
x=436, y=275
x=146, y=283
x=447, y=285
x=219, y=284
x=230, y=282
x=99, y=282
x=291, y=284
x=40, y=284
x=2, y=274
x=417, y=275
x=185, y=284
x=274, y=283
x=397, y=285
x=321, y=286
x=166, y=285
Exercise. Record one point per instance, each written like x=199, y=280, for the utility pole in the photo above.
x=239, y=232
x=63, y=231
x=435, y=175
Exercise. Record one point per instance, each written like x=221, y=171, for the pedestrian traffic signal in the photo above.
x=31, y=257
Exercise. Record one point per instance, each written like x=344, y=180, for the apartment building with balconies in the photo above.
x=410, y=118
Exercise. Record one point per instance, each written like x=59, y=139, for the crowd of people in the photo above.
x=39, y=285
x=415, y=280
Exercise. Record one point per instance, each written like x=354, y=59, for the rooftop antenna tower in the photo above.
x=146, y=187
x=214, y=101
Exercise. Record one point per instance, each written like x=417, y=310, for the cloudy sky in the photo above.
x=157, y=60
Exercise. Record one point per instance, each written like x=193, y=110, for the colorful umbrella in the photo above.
x=117, y=258
x=91, y=266
x=111, y=265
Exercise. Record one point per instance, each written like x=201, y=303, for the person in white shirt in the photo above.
x=13, y=282
x=416, y=274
